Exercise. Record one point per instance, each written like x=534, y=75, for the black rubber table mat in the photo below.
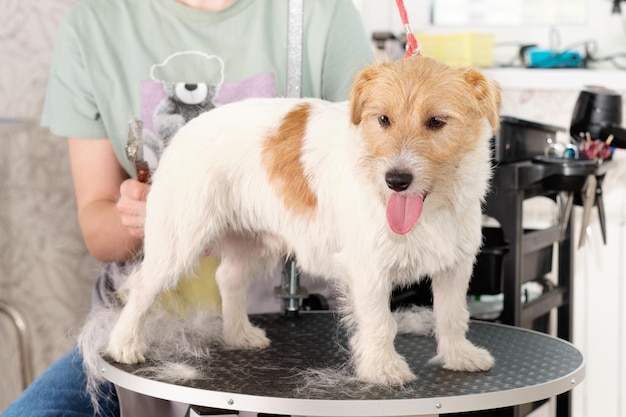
x=316, y=341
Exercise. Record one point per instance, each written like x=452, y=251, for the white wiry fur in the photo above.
x=169, y=338
x=175, y=342
x=414, y=320
x=259, y=178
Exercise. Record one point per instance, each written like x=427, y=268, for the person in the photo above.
x=164, y=61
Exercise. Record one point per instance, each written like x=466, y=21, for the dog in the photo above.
x=373, y=193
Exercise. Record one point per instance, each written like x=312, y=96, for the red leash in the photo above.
x=412, y=45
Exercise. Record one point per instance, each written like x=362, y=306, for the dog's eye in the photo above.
x=384, y=121
x=436, y=122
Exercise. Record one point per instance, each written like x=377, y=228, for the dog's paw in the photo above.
x=394, y=371
x=126, y=350
x=465, y=358
x=249, y=338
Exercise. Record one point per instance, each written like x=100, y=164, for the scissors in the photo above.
x=134, y=150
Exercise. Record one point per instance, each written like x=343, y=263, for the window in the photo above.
x=508, y=12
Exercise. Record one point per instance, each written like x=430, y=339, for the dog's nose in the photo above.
x=398, y=180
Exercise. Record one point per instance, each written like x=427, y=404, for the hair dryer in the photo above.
x=598, y=111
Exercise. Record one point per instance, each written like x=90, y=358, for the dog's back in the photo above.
x=257, y=166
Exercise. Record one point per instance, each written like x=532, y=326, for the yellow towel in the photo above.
x=196, y=291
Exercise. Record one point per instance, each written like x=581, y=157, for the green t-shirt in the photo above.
x=164, y=62
x=114, y=58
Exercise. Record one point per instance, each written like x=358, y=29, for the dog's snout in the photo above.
x=398, y=180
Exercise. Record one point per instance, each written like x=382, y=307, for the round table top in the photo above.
x=530, y=366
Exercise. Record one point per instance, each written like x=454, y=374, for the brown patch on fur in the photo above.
x=282, y=154
x=413, y=91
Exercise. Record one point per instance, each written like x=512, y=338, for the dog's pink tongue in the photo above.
x=403, y=211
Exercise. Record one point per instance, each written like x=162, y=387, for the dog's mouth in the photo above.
x=403, y=211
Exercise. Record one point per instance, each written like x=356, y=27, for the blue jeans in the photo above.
x=60, y=392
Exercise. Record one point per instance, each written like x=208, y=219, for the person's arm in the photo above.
x=111, y=207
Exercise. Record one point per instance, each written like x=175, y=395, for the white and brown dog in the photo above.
x=374, y=193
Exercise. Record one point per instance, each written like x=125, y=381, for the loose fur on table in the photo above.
x=415, y=320
x=171, y=338
x=374, y=193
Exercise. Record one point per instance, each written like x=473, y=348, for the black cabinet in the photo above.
x=529, y=250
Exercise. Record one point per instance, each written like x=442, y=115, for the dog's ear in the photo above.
x=361, y=90
x=488, y=94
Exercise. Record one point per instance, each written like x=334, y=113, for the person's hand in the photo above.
x=131, y=206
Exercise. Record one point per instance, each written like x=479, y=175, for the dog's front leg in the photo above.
x=372, y=343
x=454, y=351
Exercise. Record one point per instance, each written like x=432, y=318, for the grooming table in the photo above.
x=530, y=366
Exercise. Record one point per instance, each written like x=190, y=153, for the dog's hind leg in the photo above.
x=242, y=258
x=145, y=284
x=126, y=343
x=454, y=351
x=169, y=253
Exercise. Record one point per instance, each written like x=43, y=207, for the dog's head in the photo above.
x=419, y=118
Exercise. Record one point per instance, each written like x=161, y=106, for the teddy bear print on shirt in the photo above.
x=169, y=99
x=183, y=103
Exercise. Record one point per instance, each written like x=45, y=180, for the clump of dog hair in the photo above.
x=167, y=336
x=173, y=372
x=91, y=342
x=174, y=341
x=318, y=381
x=416, y=320
x=341, y=382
